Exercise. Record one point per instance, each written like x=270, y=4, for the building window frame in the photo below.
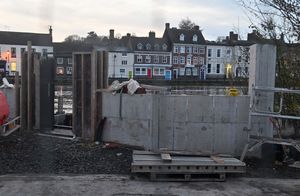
x=70, y=61
x=139, y=58
x=60, y=60
x=208, y=68
x=218, y=68
x=182, y=60
x=218, y=53
x=148, y=59
x=69, y=70
x=209, y=52
x=156, y=59
x=164, y=59
x=124, y=62
x=175, y=60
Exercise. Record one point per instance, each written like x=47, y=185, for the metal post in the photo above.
x=29, y=88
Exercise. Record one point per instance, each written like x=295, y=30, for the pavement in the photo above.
x=122, y=185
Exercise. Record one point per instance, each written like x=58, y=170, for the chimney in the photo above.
x=128, y=35
x=50, y=30
x=233, y=36
x=167, y=25
x=196, y=27
x=111, y=34
x=152, y=34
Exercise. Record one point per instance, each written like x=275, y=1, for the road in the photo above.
x=118, y=185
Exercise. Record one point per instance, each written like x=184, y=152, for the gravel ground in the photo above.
x=30, y=154
x=40, y=154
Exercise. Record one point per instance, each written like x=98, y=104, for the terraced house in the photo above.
x=188, y=51
x=152, y=57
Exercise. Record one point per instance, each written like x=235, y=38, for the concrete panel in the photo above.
x=166, y=108
x=130, y=132
x=241, y=138
x=242, y=113
x=193, y=136
x=111, y=104
x=225, y=108
x=180, y=108
x=166, y=134
x=224, y=138
x=200, y=109
x=137, y=106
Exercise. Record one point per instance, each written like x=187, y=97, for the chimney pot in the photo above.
x=152, y=34
x=196, y=27
x=111, y=34
x=167, y=25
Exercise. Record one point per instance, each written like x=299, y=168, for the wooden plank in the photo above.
x=217, y=159
x=166, y=157
x=24, y=84
x=17, y=95
x=29, y=87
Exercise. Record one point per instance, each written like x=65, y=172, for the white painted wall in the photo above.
x=6, y=47
x=115, y=64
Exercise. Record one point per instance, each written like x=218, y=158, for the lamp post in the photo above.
x=7, y=58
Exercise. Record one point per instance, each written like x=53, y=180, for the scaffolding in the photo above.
x=258, y=140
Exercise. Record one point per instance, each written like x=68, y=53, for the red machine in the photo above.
x=4, y=108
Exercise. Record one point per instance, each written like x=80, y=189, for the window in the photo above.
x=218, y=52
x=13, y=52
x=59, y=61
x=164, y=59
x=139, y=71
x=22, y=50
x=201, y=60
x=181, y=71
x=209, y=51
x=124, y=62
x=124, y=54
x=195, y=60
x=195, y=38
x=182, y=49
x=209, y=68
x=175, y=49
x=139, y=59
x=159, y=72
x=156, y=47
x=189, y=60
x=122, y=71
x=69, y=70
x=44, y=52
x=201, y=51
x=156, y=59
x=60, y=71
x=175, y=60
x=148, y=47
x=182, y=60
x=195, y=71
x=188, y=49
x=195, y=50
x=140, y=46
x=165, y=47
x=70, y=61
x=228, y=52
x=188, y=71
x=181, y=38
x=148, y=59
x=218, y=68
x=246, y=70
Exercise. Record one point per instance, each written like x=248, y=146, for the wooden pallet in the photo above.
x=184, y=168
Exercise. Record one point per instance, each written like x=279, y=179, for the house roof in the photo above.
x=173, y=35
x=156, y=44
x=20, y=38
x=69, y=47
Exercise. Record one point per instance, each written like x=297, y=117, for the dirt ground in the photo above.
x=33, y=154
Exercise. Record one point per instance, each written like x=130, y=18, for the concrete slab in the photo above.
x=11, y=185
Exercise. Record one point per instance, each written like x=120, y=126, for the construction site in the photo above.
x=139, y=134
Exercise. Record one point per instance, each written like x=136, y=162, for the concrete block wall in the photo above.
x=178, y=122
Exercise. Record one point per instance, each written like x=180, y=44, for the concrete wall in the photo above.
x=178, y=122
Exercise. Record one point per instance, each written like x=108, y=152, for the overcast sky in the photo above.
x=67, y=17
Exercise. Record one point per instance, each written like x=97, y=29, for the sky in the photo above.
x=69, y=17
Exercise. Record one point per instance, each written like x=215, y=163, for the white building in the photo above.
x=12, y=44
x=227, y=58
x=120, y=64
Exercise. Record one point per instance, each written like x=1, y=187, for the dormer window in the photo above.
x=140, y=46
x=148, y=47
x=156, y=47
x=164, y=47
x=195, y=38
x=181, y=38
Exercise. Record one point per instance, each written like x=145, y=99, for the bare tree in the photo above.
x=275, y=18
x=73, y=39
x=186, y=24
